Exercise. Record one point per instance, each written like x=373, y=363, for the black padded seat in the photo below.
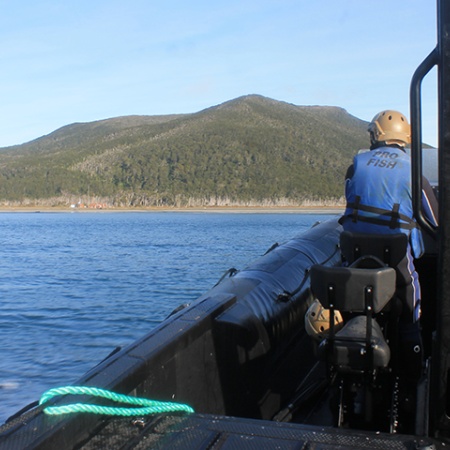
x=355, y=289
x=389, y=248
x=344, y=288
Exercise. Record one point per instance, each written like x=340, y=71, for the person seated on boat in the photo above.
x=379, y=200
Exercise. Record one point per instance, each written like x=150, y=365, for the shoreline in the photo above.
x=206, y=209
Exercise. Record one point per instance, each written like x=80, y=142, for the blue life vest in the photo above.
x=379, y=197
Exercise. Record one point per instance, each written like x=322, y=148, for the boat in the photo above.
x=237, y=368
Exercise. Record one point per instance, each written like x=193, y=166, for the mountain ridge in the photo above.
x=248, y=150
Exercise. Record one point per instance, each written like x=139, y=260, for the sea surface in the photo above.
x=74, y=286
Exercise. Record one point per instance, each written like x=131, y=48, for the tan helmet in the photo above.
x=391, y=127
x=317, y=321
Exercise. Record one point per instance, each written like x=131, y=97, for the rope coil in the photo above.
x=144, y=406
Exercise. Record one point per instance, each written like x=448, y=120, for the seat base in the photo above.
x=349, y=347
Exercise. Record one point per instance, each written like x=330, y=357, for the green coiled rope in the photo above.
x=144, y=406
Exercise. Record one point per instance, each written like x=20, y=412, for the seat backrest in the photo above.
x=389, y=248
x=346, y=287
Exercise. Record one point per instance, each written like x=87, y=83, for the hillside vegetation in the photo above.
x=248, y=151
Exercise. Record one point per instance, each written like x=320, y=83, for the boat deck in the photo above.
x=198, y=431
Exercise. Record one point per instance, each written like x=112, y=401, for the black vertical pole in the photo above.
x=440, y=394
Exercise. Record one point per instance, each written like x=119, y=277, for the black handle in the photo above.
x=416, y=139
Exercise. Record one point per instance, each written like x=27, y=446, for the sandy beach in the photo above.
x=213, y=209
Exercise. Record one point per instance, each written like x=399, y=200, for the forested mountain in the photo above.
x=251, y=150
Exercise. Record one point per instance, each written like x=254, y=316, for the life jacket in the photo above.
x=379, y=197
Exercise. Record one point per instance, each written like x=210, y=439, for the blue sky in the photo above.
x=79, y=61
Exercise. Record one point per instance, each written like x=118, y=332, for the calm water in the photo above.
x=74, y=286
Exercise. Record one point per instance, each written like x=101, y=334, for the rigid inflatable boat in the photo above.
x=237, y=368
